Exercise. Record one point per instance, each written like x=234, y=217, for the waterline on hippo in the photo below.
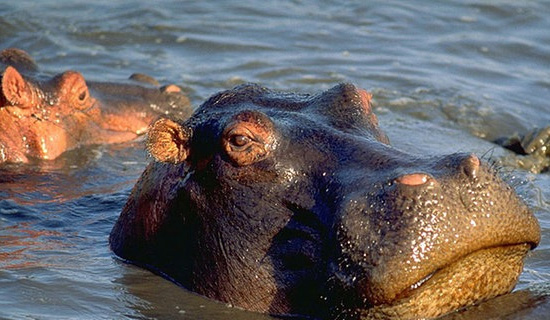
x=296, y=204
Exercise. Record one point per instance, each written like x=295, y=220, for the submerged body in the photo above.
x=296, y=204
x=44, y=118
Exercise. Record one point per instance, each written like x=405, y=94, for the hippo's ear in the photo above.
x=16, y=90
x=168, y=141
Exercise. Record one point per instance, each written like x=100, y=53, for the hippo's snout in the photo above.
x=440, y=216
x=469, y=165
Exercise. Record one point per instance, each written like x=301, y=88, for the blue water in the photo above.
x=446, y=76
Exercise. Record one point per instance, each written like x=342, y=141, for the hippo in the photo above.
x=42, y=118
x=296, y=204
x=531, y=149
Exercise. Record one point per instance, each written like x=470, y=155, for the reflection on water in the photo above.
x=21, y=245
x=445, y=77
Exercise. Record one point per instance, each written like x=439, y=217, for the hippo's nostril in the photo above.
x=171, y=88
x=470, y=165
x=413, y=179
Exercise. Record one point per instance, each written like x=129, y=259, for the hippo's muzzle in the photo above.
x=449, y=228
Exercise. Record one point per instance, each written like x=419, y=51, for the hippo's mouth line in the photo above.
x=431, y=277
x=475, y=277
x=421, y=281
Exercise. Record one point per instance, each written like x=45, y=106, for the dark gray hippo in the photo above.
x=296, y=204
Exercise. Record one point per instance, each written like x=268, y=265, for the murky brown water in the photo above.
x=446, y=77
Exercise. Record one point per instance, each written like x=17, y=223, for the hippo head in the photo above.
x=30, y=124
x=42, y=119
x=296, y=204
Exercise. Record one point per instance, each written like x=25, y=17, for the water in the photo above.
x=446, y=77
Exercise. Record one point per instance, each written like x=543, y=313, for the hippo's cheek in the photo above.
x=47, y=141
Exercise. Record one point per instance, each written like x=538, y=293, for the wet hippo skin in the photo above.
x=296, y=204
x=42, y=117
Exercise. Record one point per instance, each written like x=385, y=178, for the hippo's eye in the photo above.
x=83, y=95
x=246, y=142
x=81, y=98
x=72, y=88
x=239, y=140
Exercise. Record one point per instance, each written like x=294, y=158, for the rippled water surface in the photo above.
x=446, y=76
